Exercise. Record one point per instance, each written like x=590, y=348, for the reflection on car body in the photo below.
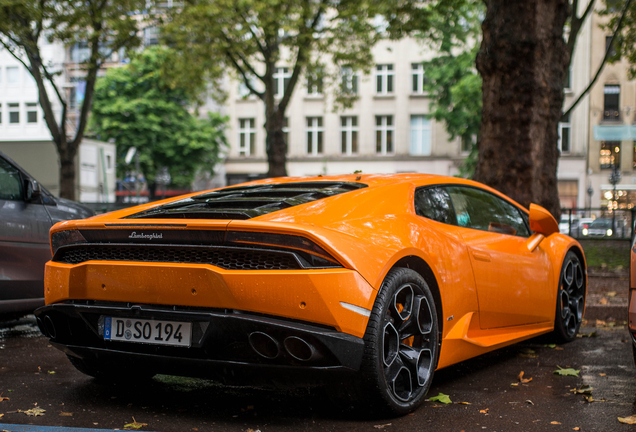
x=27, y=212
x=376, y=279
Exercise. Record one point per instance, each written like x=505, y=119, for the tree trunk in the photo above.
x=523, y=62
x=276, y=145
x=67, y=154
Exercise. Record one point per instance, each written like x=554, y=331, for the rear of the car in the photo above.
x=200, y=286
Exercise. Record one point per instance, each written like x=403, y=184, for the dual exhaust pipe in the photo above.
x=47, y=327
x=268, y=347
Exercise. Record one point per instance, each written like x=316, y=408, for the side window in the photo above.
x=434, y=203
x=478, y=209
x=10, y=183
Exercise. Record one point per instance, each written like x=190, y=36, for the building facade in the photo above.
x=387, y=129
x=612, y=147
x=25, y=137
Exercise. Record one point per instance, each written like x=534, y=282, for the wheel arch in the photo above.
x=420, y=266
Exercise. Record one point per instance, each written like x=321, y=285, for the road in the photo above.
x=485, y=392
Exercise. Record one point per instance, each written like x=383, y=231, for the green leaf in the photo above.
x=551, y=346
x=567, y=372
x=442, y=398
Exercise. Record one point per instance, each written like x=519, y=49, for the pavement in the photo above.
x=607, y=295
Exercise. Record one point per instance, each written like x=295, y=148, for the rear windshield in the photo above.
x=246, y=202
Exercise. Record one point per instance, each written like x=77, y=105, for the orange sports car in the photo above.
x=376, y=279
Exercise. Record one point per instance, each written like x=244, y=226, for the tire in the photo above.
x=634, y=352
x=109, y=375
x=401, y=345
x=570, y=299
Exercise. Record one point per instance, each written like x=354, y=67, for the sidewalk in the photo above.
x=607, y=295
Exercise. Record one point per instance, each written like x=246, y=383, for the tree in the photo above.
x=138, y=106
x=523, y=60
x=105, y=26
x=256, y=37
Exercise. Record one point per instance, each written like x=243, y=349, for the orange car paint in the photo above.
x=377, y=223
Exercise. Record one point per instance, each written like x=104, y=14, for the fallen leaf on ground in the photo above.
x=528, y=353
x=530, y=402
x=514, y=384
x=567, y=371
x=589, y=399
x=602, y=374
x=382, y=426
x=445, y=399
x=65, y=414
x=600, y=323
x=523, y=380
x=550, y=346
x=611, y=294
x=603, y=301
x=586, y=389
x=576, y=428
x=3, y=398
x=52, y=372
x=484, y=411
x=1, y=415
x=628, y=420
x=584, y=335
x=464, y=403
x=33, y=412
x=555, y=422
x=134, y=425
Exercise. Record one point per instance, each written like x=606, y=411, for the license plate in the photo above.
x=147, y=331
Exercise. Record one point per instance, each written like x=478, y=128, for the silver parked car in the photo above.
x=27, y=212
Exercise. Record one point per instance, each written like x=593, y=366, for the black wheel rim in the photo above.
x=408, y=343
x=572, y=296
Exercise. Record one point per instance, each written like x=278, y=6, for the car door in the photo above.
x=513, y=283
x=24, y=243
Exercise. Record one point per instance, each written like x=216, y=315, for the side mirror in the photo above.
x=542, y=221
x=32, y=190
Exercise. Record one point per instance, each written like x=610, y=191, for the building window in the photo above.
x=612, y=50
x=384, y=79
x=568, y=193
x=564, y=135
x=567, y=85
x=467, y=143
x=243, y=91
x=417, y=72
x=349, y=80
x=314, y=135
x=80, y=52
x=281, y=79
x=32, y=112
x=384, y=134
x=610, y=154
x=349, y=134
x=634, y=157
x=14, y=113
x=314, y=84
x=247, y=137
x=420, y=135
x=151, y=36
x=611, y=111
x=13, y=75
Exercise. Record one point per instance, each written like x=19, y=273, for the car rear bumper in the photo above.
x=339, y=298
x=223, y=341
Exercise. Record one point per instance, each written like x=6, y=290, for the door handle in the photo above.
x=481, y=256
